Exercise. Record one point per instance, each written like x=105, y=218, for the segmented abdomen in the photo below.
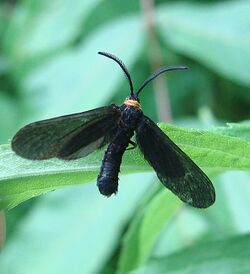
x=107, y=181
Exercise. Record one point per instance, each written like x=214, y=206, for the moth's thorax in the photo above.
x=131, y=114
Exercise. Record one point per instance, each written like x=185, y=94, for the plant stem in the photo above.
x=155, y=60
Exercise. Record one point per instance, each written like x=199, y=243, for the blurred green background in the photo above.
x=49, y=66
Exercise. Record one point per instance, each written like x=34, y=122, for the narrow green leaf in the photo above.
x=159, y=212
x=228, y=256
x=129, y=254
x=214, y=34
x=22, y=179
x=145, y=230
x=128, y=259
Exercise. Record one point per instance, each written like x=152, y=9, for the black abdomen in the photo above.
x=107, y=180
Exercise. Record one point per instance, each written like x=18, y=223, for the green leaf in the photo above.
x=39, y=28
x=145, y=229
x=227, y=217
x=210, y=150
x=215, y=34
x=228, y=256
x=129, y=255
x=74, y=230
x=159, y=212
x=22, y=179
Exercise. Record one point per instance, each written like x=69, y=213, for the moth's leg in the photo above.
x=134, y=145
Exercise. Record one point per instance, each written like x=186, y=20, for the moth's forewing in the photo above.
x=45, y=139
x=173, y=167
x=94, y=136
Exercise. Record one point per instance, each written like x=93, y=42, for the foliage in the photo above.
x=49, y=67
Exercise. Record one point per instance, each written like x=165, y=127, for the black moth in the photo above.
x=74, y=136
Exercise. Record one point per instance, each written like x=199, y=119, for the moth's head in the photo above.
x=133, y=99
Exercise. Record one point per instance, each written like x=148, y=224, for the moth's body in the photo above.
x=131, y=115
x=76, y=135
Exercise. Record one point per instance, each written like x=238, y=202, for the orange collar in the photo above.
x=132, y=103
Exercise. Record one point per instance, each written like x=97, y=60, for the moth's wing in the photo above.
x=173, y=167
x=49, y=138
x=91, y=137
